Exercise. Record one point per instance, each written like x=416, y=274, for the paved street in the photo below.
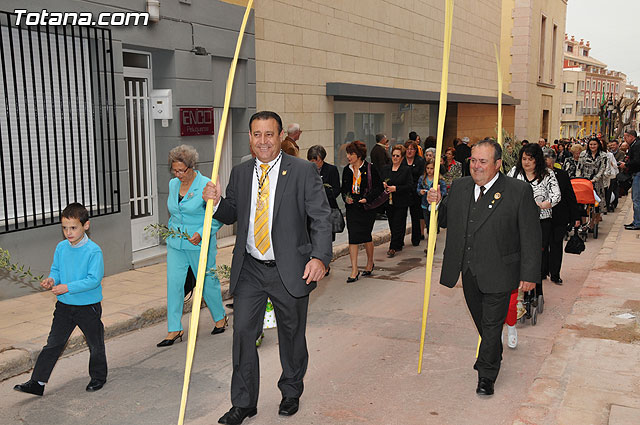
x=363, y=341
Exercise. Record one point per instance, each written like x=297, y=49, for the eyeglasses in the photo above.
x=397, y=156
x=179, y=172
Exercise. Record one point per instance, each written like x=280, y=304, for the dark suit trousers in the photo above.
x=255, y=283
x=416, y=215
x=552, y=256
x=489, y=310
x=65, y=319
x=547, y=230
x=397, y=217
x=613, y=188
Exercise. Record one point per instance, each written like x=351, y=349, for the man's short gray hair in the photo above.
x=293, y=128
x=186, y=154
x=432, y=150
x=497, y=149
x=549, y=153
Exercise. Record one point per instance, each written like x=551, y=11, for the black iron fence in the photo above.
x=58, y=127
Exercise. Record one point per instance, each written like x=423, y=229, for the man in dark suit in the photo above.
x=380, y=156
x=494, y=239
x=463, y=151
x=631, y=166
x=275, y=256
x=564, y=213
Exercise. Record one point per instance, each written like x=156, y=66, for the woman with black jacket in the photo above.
x=329, y=174
x=416, y=164
x=397, y=180
x=356, y=191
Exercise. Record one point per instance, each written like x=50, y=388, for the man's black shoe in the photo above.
x=485, y=386
x=556, y=280
x=289, y=406
x=236, y=415
x=95, y=385
x=632, y=227
x=30, y=387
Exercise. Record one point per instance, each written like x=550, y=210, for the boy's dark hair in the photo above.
x=77, y=211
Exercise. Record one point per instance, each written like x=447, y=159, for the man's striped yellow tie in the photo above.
x=261, y=222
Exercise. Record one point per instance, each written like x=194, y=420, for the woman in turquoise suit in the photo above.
x=187, y=211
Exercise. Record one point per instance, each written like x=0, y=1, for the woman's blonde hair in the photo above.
x=576, y=148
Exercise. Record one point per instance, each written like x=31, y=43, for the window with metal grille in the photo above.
x=58, y=127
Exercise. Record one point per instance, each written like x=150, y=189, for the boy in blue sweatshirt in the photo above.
x=75, y=278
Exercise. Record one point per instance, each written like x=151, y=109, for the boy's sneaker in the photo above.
x=31, y=387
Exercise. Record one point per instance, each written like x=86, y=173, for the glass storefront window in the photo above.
x=363, y=120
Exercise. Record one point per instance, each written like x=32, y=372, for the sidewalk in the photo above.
x=131, y=300
x=592, y=375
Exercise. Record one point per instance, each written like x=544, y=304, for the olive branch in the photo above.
x=165, y=232
x=25, y=277
x=221, y=272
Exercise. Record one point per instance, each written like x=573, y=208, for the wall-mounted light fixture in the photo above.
x=153, y=8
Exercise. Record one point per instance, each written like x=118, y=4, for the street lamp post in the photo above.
x=610, y=115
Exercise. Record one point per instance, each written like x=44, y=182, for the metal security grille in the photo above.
x=58, y=127
x=136, y=96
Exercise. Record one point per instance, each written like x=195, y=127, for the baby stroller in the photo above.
x=583, y=188
x=533, y=305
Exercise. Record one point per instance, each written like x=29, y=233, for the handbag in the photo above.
x=575, y=245
x=381, y=199
x=337, y=220
x=189, y=284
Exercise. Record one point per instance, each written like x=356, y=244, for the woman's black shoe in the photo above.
x=168, y=342
x=353, y=279
x=218, y=330
x=368, y=272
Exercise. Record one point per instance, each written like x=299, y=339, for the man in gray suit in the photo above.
x=275, y=256
x=494, y=239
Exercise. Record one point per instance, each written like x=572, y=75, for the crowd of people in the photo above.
x=403, y=173
x=506, y=214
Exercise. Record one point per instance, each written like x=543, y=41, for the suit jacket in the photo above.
x=188, y=214
x=633, y=161
x=370, y=193
x=566, y=211
x=330, y=176
x=619, y=156
x=506, y=238
x=417, y=169
x=290, y=146
x=380, y=157
x=403, y=181
x=293, y=246
x=463, y=151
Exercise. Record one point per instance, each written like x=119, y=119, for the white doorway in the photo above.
x=143, y=191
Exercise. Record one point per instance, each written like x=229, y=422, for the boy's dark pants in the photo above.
x=65, y=319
